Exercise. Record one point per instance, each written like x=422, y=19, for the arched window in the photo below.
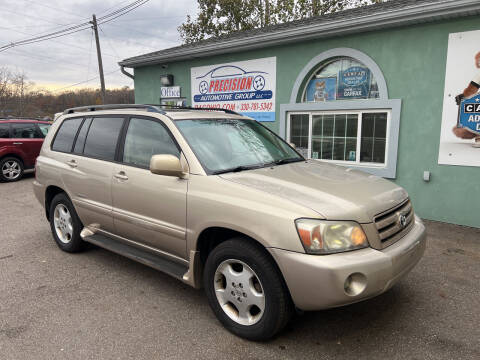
x=341, y=78
x=340, y=111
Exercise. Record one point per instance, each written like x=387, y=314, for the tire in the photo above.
x=227, y=296
x=11, y=169
x=65, y=224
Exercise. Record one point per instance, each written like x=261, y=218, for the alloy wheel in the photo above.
x=239, y=292
x=11, y=170
x=63, y=223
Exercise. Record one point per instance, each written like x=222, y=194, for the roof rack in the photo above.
x=147, y=107
x=21, y=118
x=227, y=111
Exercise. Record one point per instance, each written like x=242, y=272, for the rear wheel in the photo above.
x=65, y=224
x=246, y=291
x=11, y=169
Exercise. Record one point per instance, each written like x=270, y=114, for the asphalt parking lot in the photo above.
x=98, y=305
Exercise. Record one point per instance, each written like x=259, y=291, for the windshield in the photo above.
x=224, y=145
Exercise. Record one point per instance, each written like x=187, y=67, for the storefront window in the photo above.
x=341, y=78
x=353, y=136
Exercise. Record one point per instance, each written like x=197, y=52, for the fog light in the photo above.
x=355, y=284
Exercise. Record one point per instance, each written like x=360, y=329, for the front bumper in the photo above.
x=318, y=281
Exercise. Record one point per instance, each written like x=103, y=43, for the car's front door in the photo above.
x=148, y=208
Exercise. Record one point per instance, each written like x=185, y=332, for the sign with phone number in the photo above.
x=247, y=87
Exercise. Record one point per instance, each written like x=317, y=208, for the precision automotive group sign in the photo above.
x=247, y=87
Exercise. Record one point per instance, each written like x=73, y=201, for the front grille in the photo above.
x=389, y=224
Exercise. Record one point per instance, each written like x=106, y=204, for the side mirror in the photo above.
x=167, y=165
x=292, y=145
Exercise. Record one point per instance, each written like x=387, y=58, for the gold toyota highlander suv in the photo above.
x=218, y=201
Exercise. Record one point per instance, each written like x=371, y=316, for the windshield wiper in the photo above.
x=287, y=161
x=237, y=169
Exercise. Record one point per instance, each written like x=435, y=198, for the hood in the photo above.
x=335, y=192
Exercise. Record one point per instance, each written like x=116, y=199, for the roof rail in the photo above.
x=21, y=118
x=227, y=111
x=151, y=108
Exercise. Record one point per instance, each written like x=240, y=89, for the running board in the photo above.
x=145, y=257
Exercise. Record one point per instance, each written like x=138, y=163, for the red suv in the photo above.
x=20, y=143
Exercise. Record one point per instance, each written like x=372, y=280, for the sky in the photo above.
x=59, y=63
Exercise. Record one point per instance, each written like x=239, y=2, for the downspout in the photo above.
x=124, y=72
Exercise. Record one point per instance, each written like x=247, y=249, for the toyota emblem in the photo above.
x=403, y=221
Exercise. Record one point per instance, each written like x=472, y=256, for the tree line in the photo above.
x=20, y=98
x=220, y=17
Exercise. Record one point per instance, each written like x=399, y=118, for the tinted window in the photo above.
x=82, y=135
x=25, y=131
x=102, y=138
x=44, y=129
x=144, y=139
x=66, y=134
x=4, y=131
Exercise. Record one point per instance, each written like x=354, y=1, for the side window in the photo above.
x=144, y=139
x=82, y=135
x=44, y=129
x=102, y=137
x=4, y=131
x=25, y=131
x=66, y=135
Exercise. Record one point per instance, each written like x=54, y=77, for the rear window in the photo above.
x=102, y=138
x=4, y=131
x=66, y=135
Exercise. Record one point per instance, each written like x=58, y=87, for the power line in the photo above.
x=76, y=28
x=86, y=81
x=109, y=43
x=55, y=8
x=57, y=41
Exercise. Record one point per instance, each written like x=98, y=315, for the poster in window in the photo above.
x=460, y=131
x=354, y=83
x=321, y=89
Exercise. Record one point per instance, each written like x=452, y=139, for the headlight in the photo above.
x=327, y=237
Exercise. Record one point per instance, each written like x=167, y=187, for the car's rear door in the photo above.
x=27, y=139
x=148, y=208
x=5, y=141
x=87, y=166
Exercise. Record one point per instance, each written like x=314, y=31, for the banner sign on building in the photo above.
x=321, y=89
x=354, y=83
x=247, y=87
x=461, y=123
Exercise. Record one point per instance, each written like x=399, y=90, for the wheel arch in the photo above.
x=50, y=192
x=14, y=155
x=211, y=237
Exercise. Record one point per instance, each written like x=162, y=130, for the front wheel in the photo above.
x=246, y=291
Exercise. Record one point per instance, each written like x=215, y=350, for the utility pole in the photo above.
x=99, y=56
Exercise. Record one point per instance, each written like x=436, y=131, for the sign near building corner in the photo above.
x=170, y=92
x=247, y=87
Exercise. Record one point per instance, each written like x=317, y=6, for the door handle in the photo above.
x=17, y=143
x=121, y=176
x=72, y=163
